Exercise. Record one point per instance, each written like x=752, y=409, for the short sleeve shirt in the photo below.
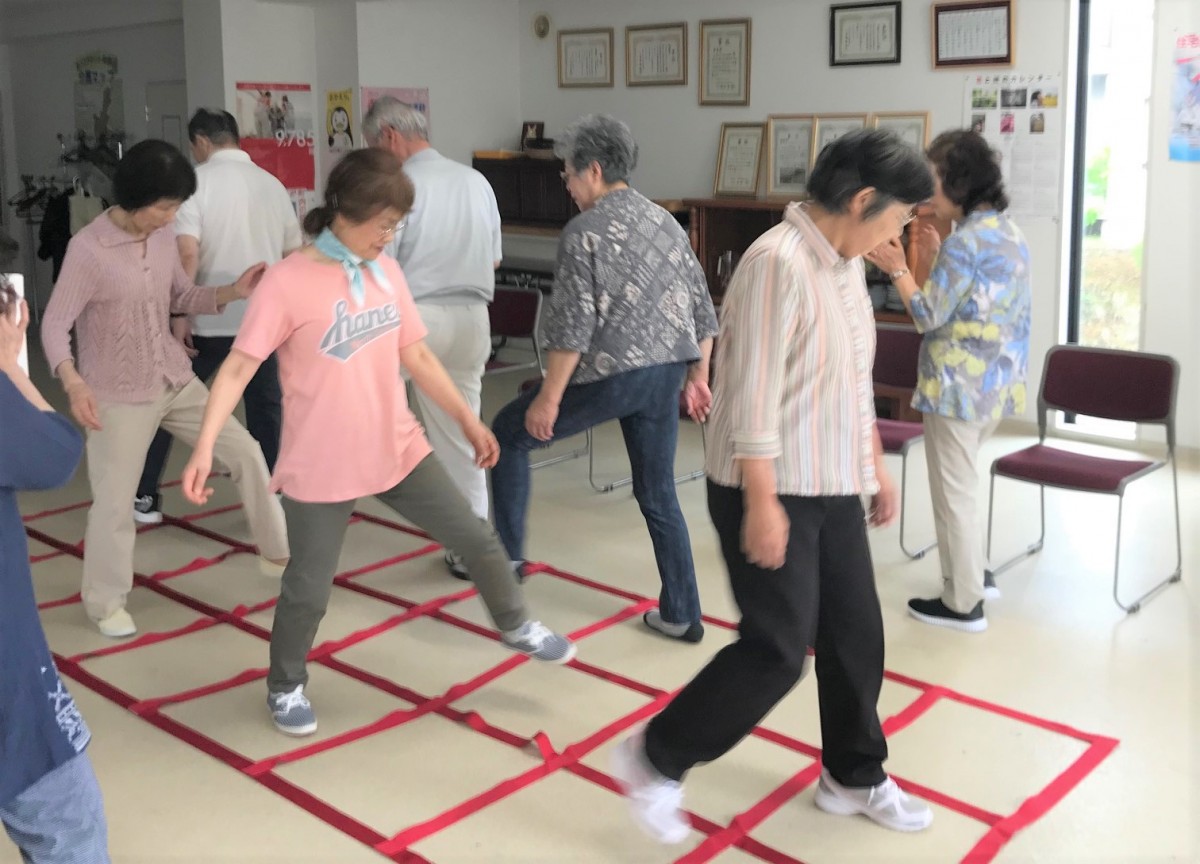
x=347, y=429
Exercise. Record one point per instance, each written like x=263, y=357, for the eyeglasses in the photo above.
x=908, y=217
x=392, y=230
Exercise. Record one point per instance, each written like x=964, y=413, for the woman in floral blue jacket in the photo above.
x=974, y=312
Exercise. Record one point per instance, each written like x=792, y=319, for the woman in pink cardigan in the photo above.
x=120, y=283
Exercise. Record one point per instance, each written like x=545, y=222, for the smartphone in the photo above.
x=10, y=304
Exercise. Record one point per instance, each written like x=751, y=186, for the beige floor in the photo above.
x=1057, y=648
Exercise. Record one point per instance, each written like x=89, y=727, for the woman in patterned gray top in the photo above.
x=629, y=324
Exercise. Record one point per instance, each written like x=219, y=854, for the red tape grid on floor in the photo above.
x=398, y=847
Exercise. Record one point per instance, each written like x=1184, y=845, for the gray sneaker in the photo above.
x=534, y=639
x=886, y=804
x=456, y=566
x=292, y=712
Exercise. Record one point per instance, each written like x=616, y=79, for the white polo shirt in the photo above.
x=240, y=215
x=451, y=240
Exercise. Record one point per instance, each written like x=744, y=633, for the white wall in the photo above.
x=1171, y=311
x=465, y=51
x=790, y=73
x=205, y=54
x=337, y=69
x=271, y=42
x=42, y=71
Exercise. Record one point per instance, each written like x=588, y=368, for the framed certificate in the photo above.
x=725, y=62
x=789, y=154
x=827, y=128
x=585, y=58
x=864, y=34
x=656, y=54
x=912, y=127
x=739, y=159
x=976, y=33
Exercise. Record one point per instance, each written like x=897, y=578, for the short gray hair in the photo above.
x=390, y=112
x=602, y=139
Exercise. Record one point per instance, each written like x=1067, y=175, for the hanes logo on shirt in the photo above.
x=350, y=333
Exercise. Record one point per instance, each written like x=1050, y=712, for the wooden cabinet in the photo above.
x=528, y=191
x=727, y=225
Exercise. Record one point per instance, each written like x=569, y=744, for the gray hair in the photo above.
x=602, y=139
x=390, y=112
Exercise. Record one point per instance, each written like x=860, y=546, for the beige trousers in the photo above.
x=952, y=447
x=116, y=454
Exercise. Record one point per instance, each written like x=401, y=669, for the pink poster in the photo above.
x=417, y=97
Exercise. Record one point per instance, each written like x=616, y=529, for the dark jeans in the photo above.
x=263, y=400
x=646, y=401
x=824, y=596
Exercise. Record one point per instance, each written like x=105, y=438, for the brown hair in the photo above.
x=969, y=169
x=362, y=184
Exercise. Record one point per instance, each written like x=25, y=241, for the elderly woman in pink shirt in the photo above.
x=121, y=282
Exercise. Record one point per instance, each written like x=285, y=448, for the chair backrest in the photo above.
x=896, y=351
x=514, y=312
x=1115, y=385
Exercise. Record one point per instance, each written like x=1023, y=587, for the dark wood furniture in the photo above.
x=529, y=191
x=720, y=225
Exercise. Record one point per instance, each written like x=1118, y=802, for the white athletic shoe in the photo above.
x=655, y=802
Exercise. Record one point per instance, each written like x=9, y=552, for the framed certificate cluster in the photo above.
x=656, y=55
x=794, y=141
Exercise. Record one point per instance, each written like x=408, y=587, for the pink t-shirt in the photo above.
x=347, y=427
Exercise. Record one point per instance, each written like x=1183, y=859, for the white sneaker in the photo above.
x=886, y=804
x=655, y=802
x=117, y=625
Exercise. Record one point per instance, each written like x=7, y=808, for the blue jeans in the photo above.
x=646, y=401
x=60, y=818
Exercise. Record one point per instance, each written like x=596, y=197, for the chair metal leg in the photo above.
x=1033, y=549
x=625, y=481
x=919, y=553
x=566, y=457
x=1174, y=577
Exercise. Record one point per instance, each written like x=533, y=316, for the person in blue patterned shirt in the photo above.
x=974, y=311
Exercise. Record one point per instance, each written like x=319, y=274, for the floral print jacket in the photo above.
x=974, y=312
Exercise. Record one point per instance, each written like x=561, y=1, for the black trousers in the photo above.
x=263, y=400
x=823, y=596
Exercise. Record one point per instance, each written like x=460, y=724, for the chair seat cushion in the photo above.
x=1057, y=467
x=894, y=434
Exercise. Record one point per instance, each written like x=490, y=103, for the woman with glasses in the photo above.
x=792, y=450
x=127, y=375
x=974, y=312
x=342, y=320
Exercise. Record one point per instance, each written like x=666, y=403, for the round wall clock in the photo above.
x=541, y=25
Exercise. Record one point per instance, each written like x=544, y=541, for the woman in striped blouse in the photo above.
x=792, y=451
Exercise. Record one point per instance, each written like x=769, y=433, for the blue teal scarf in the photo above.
x=329, y=245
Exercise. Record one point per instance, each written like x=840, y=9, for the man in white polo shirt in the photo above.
x=240, y=215
x=449, y=250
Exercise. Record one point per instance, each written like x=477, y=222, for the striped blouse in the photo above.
x=793, y=367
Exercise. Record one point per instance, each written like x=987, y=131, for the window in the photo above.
x=1108, y=207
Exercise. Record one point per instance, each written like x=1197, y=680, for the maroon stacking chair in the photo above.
x=895, y=374
x=625, y=481
x=1128, y=386
x=515, y=313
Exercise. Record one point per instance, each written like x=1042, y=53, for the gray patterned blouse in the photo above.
x=628, y=291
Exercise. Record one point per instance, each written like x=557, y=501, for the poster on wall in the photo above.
x=417, y=97
x=278, y=127
x=339, y=137
x=1022, y=117
x=1185, y=100
x=99, y=101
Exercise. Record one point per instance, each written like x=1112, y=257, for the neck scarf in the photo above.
x=329, y=245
